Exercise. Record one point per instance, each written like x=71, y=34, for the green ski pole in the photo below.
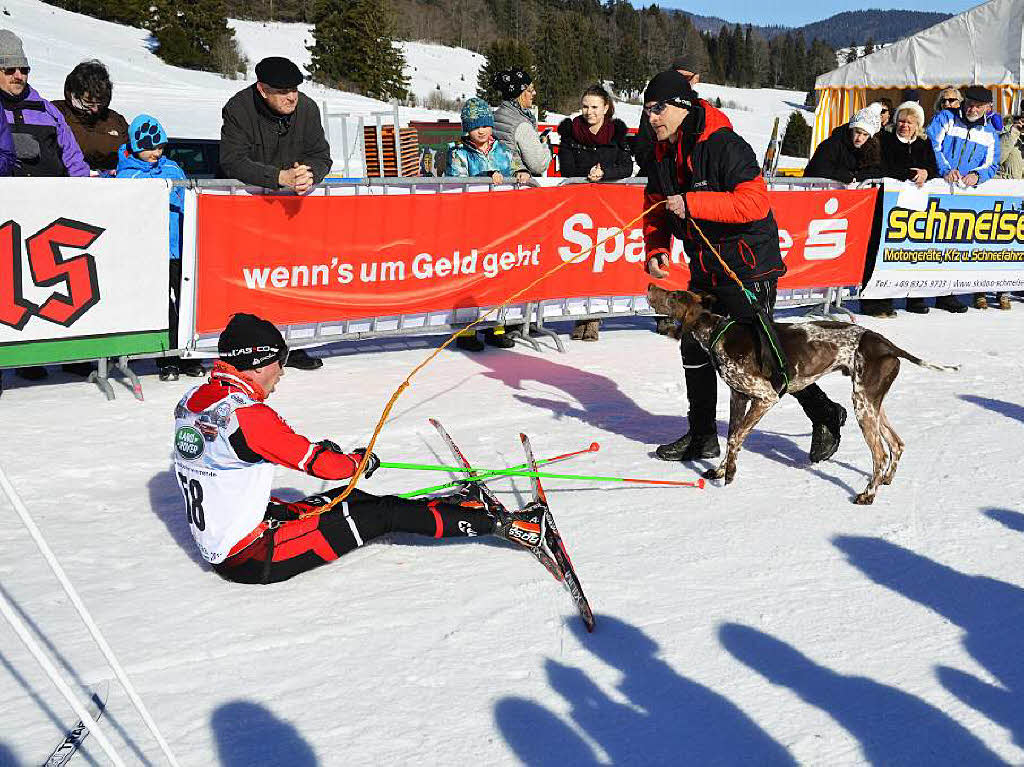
x=516, y=473
x=594, y=447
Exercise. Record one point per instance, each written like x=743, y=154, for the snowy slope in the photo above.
x=768, y=622
x=189, y=102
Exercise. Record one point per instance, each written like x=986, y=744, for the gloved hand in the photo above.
x=332, y=446
x=372, y=464
x=280, y=513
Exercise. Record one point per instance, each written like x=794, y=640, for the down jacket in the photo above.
x=726, y=197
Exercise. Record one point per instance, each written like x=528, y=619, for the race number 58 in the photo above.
x=48, y=267
x=193, y=492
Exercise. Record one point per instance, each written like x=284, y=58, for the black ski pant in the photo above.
x=701, y=378
x=174, y=301
x=278, y=550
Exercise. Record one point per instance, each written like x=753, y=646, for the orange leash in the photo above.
x=408, y=379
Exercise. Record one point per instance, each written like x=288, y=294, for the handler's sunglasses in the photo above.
x=659, y=107
x=9, y=71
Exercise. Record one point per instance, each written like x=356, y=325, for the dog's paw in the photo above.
x=864, y=499
x=714, y=473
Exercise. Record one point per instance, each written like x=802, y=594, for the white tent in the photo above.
x=982, y=46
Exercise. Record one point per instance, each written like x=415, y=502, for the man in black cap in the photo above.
x=708, y=177
x=227, y=441
x=272, y=137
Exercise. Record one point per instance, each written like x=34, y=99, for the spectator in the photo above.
x=1011, y=149
x=480, y=154
x=966, y=153
x=515, y=123
x=98, y=129
x=143, y=157
x=948, y=98
x=907, y=156
x=8, y=159
x=593, y=146
x=885, y=114
x=852, y=152
x=43, y=143
x=272, y=137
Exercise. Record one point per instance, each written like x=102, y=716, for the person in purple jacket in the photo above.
x=43, y=142
x=8, y=159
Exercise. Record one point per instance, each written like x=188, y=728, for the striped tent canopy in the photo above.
x=982, y=46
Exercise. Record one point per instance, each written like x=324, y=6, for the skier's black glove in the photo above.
x=332, y=446
x=278, y=512
x=372, y=463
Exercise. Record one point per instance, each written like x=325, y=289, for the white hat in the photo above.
x=869, y=119
x=911, y=106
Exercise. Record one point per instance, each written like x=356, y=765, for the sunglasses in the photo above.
x=950, y=101
x=885, y=111
x=9, y=71
x=659, y=107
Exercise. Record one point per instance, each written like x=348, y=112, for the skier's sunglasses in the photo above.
x=9, y=71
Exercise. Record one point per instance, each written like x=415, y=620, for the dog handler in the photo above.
x=709, y=177
x=226, y=443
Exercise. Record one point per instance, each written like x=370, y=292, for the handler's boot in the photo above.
x=826, y=434
x=690, y=447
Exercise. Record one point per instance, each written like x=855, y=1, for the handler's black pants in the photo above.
x=701, y=379
x=297, y=545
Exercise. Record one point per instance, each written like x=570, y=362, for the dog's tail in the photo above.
x=918, y=361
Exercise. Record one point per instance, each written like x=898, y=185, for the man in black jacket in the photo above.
x=712, y=187
x=272, y=137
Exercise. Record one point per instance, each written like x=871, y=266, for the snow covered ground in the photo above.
x=189, y=103
x=768, y=622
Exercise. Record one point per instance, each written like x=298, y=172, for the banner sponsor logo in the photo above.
x=950, y=243
x=322, y=259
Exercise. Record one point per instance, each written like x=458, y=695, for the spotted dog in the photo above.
x=813, y=349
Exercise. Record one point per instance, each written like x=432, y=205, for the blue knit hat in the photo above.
x=476, y=113
x=146, y=132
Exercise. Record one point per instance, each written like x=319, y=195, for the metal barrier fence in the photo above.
x=825, y=301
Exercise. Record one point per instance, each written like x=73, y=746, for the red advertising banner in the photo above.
x=322, y=259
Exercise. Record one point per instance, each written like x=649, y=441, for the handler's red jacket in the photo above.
x=726, y=197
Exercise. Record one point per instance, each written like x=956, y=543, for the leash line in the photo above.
x=408, y=379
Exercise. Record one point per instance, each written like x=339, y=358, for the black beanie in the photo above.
x=511, y=82
x=278, y=72
x=251, y=342
x=670, y=85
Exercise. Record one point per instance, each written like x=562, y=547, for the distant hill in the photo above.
x=855, y=27
x=880, y=26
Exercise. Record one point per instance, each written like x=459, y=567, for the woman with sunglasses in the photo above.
x=98, y=129
x=42, y=140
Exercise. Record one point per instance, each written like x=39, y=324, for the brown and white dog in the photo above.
x=813, y=349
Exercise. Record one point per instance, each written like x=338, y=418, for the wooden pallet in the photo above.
x=410, y=151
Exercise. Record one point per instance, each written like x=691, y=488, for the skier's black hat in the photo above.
x=250, y=342
x=278, y=72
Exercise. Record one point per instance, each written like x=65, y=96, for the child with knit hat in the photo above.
x=479, y=153
x=143, y=157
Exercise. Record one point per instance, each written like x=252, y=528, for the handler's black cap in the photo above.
x=978, y=93
x=251, y=342
x=671, y=86
x=278, y=72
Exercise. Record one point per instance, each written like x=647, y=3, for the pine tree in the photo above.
x=869, y=46
x=797, y=141
x=193, y=35
x=851, y=54
x=354, y=48
x=502, y=55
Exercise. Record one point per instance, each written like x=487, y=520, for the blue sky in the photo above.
x=794, y=14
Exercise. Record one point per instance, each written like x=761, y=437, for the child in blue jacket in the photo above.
x=143, y=157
